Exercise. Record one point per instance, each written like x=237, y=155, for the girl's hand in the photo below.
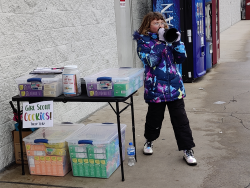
x=161, y=32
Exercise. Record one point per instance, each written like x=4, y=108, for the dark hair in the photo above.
x=144, y=28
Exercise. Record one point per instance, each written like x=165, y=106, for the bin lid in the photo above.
x=39, y=77
x=117, y=73
x=56, y=134
x=96, y=133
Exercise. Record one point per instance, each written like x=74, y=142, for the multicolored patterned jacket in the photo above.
x=163, y=81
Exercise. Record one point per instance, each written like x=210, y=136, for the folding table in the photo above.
x=83, y=98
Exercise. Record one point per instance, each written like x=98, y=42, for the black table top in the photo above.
x=81, y=98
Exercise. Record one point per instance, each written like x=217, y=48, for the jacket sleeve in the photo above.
x=179, y=52
x=149, y=53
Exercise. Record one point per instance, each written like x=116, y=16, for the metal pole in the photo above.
x=20, y=135
x=133, y=123
x=119, y=137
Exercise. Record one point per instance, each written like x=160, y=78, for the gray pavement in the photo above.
x=221, y=132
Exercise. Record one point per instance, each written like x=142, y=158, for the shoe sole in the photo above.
x=147, y=153
x=190, y=164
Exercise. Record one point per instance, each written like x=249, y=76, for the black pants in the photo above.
x=179, y=120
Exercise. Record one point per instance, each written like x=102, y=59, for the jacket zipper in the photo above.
x=168, y=83
x=169, y=86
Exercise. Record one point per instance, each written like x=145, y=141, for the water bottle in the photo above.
x=131, y=154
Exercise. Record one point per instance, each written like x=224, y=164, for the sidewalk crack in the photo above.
x=230, y=102
x=240, y=121
x=247, y=186
x=234, y=100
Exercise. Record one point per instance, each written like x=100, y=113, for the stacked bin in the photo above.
x=39, y=85
x=94, y=150
x=115, y=82
x=47, y=151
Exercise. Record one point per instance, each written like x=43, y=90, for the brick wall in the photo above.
x=52, y=33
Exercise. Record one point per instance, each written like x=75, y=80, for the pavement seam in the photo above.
x=36, y=184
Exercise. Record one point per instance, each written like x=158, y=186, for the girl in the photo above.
x=163, y=85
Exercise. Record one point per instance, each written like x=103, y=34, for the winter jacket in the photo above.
x=162, y=80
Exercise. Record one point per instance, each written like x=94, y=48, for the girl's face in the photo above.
x=155, y=25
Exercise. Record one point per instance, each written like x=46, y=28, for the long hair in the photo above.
x=145, y=26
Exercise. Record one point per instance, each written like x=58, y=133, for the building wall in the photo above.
x=139, y=9
x=230, y=13
x=52, y=33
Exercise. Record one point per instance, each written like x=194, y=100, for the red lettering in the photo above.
x=25, y=117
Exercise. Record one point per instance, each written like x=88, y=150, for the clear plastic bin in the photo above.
x=115, y=82
x=94, y=150
x=47, y=151
x=38, y=85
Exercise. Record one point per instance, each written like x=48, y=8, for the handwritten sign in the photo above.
x=37, y=115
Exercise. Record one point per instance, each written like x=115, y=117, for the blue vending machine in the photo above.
x=208, y=30
x=188, y=17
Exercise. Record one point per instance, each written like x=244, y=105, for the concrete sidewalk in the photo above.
x=221, y=133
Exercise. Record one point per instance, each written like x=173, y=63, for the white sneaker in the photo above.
x=148, y=148
x=189, y=157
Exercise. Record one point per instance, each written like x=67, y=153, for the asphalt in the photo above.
x=221, y=133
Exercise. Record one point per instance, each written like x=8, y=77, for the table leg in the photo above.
x=119, y=137
x=133, y=123
x=20, y=135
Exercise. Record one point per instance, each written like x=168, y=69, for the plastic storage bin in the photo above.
x=47, y=151
x=115, y=82
x=39, y=85
x=94, y=150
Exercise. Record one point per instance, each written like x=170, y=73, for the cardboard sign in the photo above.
x=37, y=115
